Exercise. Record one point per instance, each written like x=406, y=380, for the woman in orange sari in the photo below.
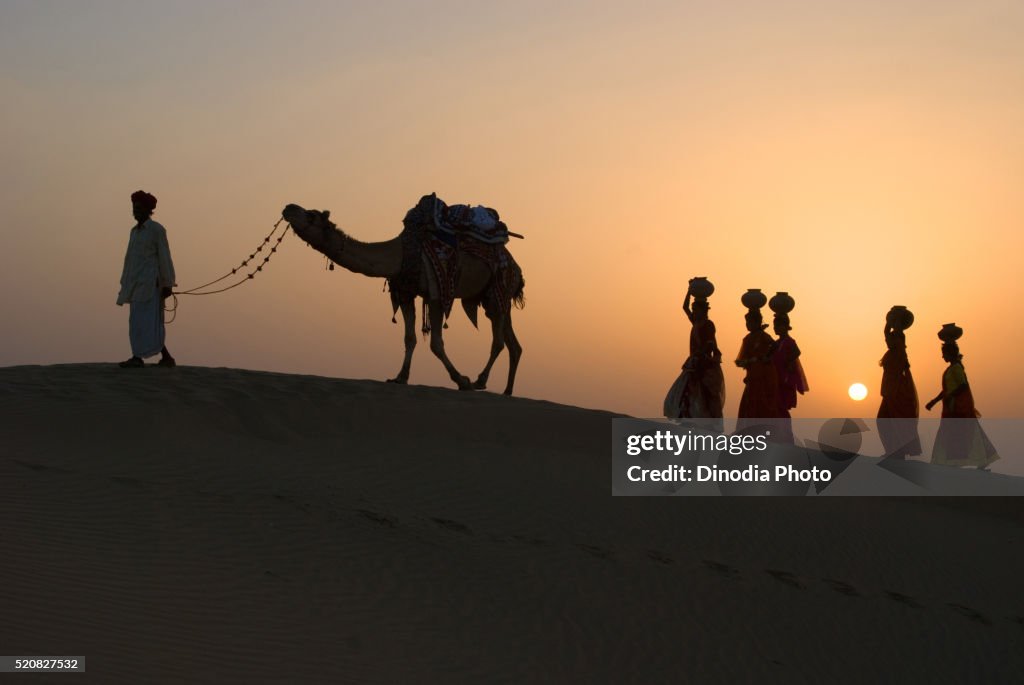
x=898, y=411
x=960, y=440
x=760, y=398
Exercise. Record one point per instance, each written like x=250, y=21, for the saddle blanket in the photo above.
x=443, y=259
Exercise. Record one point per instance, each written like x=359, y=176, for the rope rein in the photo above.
x=249, y=276
x=245, y=262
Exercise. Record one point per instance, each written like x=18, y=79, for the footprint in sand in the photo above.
x=904, y=599
x=723, y=569
x=786, y=578
x=31, y=465
x=660, y=557
x=127, y=480
x=843, y=588
x=599, y=552
x=536, y=542
x=219, y=496
x=453, y=525
x=288, y=499
x=379, y=519
x=969, y=613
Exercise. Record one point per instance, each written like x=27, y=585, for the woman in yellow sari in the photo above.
x=960, y=440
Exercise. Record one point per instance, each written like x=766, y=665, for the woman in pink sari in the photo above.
x=790, y=373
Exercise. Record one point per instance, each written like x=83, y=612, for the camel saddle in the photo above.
x=436, y=234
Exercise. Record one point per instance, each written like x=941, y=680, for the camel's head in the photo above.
x=309, y=224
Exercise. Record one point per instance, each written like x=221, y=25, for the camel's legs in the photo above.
x=409, y=318
x=497, y=345
x=437, y=344
x=515, y=351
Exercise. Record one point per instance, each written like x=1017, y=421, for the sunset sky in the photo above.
x=855, y=154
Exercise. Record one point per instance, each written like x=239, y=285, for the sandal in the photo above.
x=167, y=361
x=133, y=363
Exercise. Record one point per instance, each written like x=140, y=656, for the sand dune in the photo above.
x=217, y=525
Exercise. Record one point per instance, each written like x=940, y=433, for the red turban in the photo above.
x=144, y=199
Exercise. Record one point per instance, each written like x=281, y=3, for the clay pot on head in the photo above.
x=701, y=287
x=754, y=299
x=950, y=333
x=900, y=317
x=782, y=303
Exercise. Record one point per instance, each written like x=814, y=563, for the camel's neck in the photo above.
x=379, y=260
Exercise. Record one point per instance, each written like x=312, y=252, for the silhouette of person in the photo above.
x=760, y=399
x=898, y=411
x=146, y=281
x=791, y=378
x=699, y=392
x=960, y=440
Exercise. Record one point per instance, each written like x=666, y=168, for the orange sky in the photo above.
x=857, y=155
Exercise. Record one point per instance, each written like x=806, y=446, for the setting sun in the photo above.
x=858, y=391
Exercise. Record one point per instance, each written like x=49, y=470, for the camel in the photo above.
x=473, y=286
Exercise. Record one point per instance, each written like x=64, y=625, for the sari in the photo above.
x=760, y=398
x=960, y=440
x=899, y=409
x=792, y=380
x=791, y=373
x=699, y=391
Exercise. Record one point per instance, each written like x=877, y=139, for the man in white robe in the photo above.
x=146, y=280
